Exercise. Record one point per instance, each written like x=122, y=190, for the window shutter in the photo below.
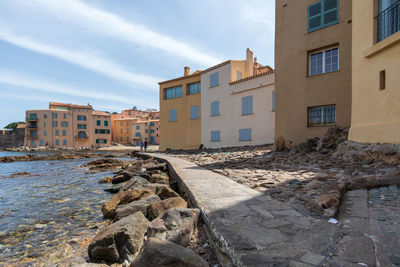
x=245, y=135
x=273, y=100
x=215, y=108
x=314, y=16
x=330, y=11
x=172, y=115
x=247, y=105
x=214, y=79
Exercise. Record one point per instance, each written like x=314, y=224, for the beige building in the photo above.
x=312, y=68
x=237, y=104
x=180, y=112
x=67, y=125
x=376, y=72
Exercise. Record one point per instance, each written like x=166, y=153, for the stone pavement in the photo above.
x=371, y=228
x=248, y=227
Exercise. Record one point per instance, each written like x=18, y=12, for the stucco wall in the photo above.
x=184, y=133
x=295, y=90
x=375, y=112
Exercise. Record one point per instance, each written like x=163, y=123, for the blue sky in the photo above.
x=112, y=54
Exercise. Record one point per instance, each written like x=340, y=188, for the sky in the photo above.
x=112, y=54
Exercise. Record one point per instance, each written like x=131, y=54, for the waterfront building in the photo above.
x=376, y=68
x=132, y=126
x=313, y=68
x=237, y=104
x=180, y=112
x=67, y=125
x=12, y=137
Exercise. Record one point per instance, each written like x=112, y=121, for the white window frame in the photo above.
x=323, y=60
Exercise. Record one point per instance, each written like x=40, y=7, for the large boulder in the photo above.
x=164, y=192
x=122, y=177
x=158, y=252
x=121, y=198
x=156, y=209
x=152, y=166
x=135, y=182
x=135, y=206
x=104, y=164
x=175, y=225
x=105, y=180
x=119, y=241
x=161, y=178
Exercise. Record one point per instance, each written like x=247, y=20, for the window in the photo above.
x=146, y=131
x=98, y=123
x=127, y=130
x=273, y=100
x=96, y=131
x=65, y=115
x=238, y=75
x=322, y=14
x=33, y=116
x=45, y=133
x=137, y=127
x=105, y=123
x=44, y=124
x=137, y=134
x=54, y=115
x=388, y=18
x=194, y=112
x=57, y=142
x=151, y=123
x=382, y=80
x=324, y=61
x=81, y=126
x=57, y=132
x=41, y=143
x=121, y=130
x=122, y=123
x=81, y=117
x=34, y=134
x=245, y=135
x=45, y=116
x=247, y=105
x=152, y=131
x=194, y=88
x=55, y=123
x=215, y=136
x=64, y=133
x=172, y=115
x=64, y=124
x=215, y=108
x=173, y=92
x=214, y=79
x=79, y=110
x=127, y=123
x=127, y=139
x=97, y=141
x=82, y=135
x=64, y=142
x=324, y=115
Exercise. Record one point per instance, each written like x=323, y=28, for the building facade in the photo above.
x=376, y=68
x=12, y=137
x=67, y=125
x=237, y=99
x=312, y=68
x=180, y=112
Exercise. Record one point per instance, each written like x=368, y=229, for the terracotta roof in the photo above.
x=102, y=113
x=216, y=66
x=69, y=105
x=253, y=76
x=194, y=74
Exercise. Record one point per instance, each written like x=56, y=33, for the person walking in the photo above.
x=145, y=146
x=141, y=146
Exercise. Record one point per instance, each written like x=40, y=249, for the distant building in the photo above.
x=180, y=112
x=237, y=104
x=312, y=68
x=67, y=125
x=12, y=137
x=133, y=126
x=376, y=72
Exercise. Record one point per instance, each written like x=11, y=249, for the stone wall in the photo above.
x=14, y=139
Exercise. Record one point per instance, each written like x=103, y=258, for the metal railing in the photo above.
x=388, y=21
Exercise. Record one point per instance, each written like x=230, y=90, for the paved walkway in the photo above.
x=249, y=228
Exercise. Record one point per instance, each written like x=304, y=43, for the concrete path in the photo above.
x=249, y=228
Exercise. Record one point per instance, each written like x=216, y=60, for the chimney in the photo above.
x=249, y=62
x=186, y=71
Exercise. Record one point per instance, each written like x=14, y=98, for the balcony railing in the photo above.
x=80, y=137
x=388, y=21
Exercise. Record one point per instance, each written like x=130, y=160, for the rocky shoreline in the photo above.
x=56, y=156
x=147, y=222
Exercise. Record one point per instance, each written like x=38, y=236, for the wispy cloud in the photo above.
x=17, y=79
x=86, y=59
x=110, y=24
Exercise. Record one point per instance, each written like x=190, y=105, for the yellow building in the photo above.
x=180, y=110
x=376, y=72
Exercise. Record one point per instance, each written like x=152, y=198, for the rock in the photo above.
x=333, y=137
x=175, y=225
x=122, y=177
x=164, y=192
x=105, y=180
x=135, y=182
x=158, y=252
x=160, y=178
x=328, y=201
x=103, y=164
x=121, y=198
x=115, y=188
x=119, y=241
x=135, y=206
x=156, y=209
x=151, y=166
